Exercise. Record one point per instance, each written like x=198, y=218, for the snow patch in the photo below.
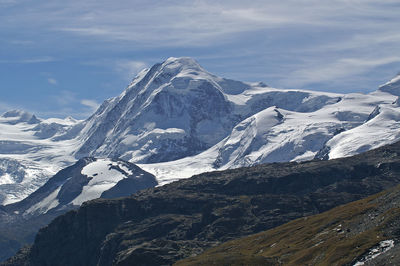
x=6, y=179
x=102, y=177
x=374, y=252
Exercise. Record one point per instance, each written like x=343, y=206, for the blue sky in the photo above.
x=60, y=58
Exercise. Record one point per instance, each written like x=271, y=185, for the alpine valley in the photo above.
x=173, y=121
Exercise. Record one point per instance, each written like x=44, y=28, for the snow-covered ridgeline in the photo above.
x=87, y=179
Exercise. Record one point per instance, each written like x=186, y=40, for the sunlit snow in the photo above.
x=102, y=177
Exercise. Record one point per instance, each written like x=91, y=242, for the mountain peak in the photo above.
x=70, y=119
x=173, y=67
x=392, y=86
x=181, y=60
x=15, y=113
x=17, y=116
x=179, y=64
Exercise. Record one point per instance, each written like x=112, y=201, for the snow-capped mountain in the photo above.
x=176, y=119
x=87, y=179
x=170, y=111
x=177, y=109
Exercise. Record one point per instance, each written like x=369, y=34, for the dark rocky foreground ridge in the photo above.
x=365, y=231
x=162, y=225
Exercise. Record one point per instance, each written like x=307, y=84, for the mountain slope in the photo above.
x=365, y=232
x=178, y=220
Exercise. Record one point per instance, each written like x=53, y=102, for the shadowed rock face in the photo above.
x=165, y=224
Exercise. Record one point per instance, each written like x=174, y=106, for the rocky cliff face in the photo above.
x=165, y=224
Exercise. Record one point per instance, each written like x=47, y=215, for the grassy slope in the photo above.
x=335, y=237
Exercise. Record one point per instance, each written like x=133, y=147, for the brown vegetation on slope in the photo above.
x=337, y=237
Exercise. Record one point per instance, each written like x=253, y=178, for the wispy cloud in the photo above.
x=326, y=33
x=129, y=68
x=65, y=98
x=5, y=107
x=191, y=22
x=295, y=43
x=69, y=104
x=7, y=2
x=342, y=70
x=197, y=22
x=44, y=59
x=92, y=104
x=21, y=42
x=52, y=81
x=125, y=68
x=202, y=22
